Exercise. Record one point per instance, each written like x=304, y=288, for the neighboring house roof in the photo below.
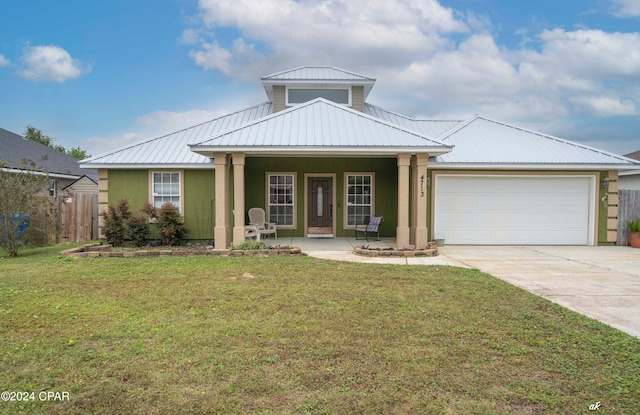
x=484, y=142
x=320, y=126
x=14, y=148
x=636, y=156
x=172, y=150
x=84, y=184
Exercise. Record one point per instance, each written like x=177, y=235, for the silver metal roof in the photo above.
x=173, y=149
x=314, y=76
x=431, y=128
x=320, y=125
x=317, y=73
x=484, y=141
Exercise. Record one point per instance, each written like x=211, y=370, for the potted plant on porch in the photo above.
x=634, y=233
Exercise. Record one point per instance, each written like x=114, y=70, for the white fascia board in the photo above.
x=147, y=166
x=40, y=173
x=305, y=151
x=530, y=166
x=629, y=173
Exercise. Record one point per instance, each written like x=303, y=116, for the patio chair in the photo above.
x=370, y=227
x=257, y=217
x=251, y=232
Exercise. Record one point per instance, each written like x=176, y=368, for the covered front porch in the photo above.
x=395, y=188
x=318, y=156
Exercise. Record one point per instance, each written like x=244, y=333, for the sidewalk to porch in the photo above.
x=341, y=249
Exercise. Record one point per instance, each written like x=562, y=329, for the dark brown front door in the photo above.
x=320, y=214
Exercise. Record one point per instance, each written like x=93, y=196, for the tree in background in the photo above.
x=33, y=134
x=21, y=200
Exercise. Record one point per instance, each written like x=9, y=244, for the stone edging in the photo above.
x=430, y=250
x=99, y=250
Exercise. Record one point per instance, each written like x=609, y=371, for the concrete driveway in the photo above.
x=600, y=282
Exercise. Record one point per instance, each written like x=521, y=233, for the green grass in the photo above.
x=297, y=335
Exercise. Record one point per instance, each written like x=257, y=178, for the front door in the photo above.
x=320, y=203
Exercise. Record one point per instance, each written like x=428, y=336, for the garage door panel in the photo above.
x=509, y=210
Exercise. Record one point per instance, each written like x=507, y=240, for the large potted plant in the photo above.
x=634, y=233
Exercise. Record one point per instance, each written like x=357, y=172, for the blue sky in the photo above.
x=101, y=75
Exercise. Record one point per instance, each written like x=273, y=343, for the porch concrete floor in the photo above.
x=341, y=249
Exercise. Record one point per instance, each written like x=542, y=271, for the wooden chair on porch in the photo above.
x=370, y=227
x=258, y=218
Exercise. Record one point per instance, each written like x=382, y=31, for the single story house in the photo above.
x=320, y=160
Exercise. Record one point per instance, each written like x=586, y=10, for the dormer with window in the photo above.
x=296, y=86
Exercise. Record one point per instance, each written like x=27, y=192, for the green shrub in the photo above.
x=634, y=225
x=250, y=245
x=170, y=224
x=114, y=222
x=138, y=229
x=120, y=226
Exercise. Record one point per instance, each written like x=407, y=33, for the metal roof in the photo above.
x=484, y=141
x=172, y=150
x=320, y=126
x=14, y=148
x=431, y=128
x=317, y=73
x=315, y=76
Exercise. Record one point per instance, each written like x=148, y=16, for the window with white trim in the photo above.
x=281, y=204
x=166, y=188
x=359, y=198
x=302, y=95
x=52, y=186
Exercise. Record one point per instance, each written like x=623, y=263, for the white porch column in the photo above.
x=420, y=206
x=402, y=231
x=222, y=204
x=238, y=197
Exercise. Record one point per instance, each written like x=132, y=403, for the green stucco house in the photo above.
x=319, y=159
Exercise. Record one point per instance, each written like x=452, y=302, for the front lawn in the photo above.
x=296, y=335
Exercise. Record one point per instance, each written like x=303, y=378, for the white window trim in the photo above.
x=52, y=188
x=290, y=104
x=346, y=195
x=180, y=186
x=294, y=200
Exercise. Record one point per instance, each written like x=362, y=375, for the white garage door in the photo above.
x=514, y=210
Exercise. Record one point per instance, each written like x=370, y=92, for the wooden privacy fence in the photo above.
x=628, y=209
x=79, y=217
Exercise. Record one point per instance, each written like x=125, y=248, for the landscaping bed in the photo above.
x=409, y=251
x=96, y=250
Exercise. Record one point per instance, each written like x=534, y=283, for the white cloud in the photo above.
x=589, y=52
x=171, y=121
x=625, y=8
x=607, y=106
x=4, y=61
x=429, y=60
x=149, y=126
x=372, y=32
x=51, y=63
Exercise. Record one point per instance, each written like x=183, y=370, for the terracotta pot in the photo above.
x=634, y=239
